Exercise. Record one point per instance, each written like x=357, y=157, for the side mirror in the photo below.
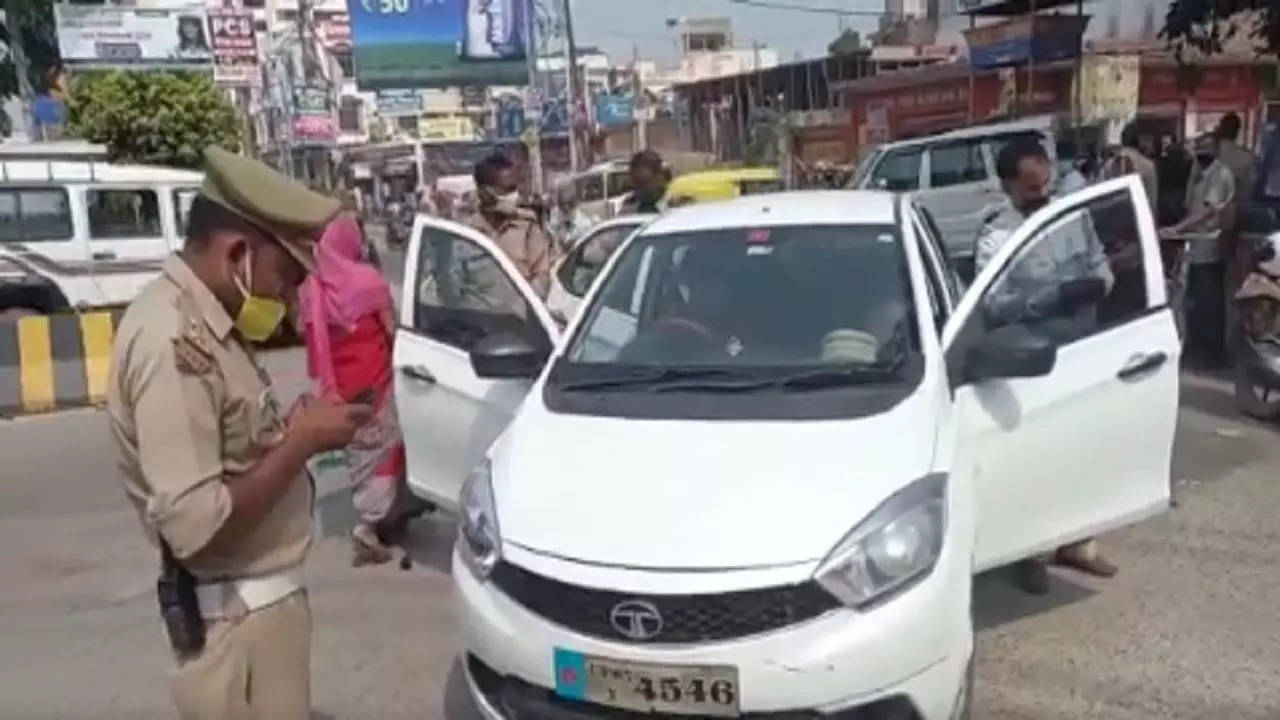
x=507, y=356
x=1012, y=351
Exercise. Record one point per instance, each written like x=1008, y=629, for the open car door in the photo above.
x=1064, y=359
x=459, y=289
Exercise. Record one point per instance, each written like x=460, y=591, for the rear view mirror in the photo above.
x=1012, y=351
x=506, y=356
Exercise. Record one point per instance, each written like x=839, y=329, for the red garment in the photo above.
x=361, y=360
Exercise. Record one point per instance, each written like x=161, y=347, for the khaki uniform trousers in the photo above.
x=255, y=666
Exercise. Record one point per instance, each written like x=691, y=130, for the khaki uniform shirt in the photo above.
x=525, y=242
x=189, y=409
x=1212, y=187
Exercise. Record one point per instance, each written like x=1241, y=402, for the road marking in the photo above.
x=36, y=363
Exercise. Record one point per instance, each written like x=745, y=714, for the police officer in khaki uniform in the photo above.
x=516, y=230
x=216, y=473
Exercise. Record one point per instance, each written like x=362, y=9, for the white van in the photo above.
x=83, y=233
x=952, y=175
x=601, y=189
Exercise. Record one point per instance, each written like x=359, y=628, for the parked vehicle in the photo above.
x=579, y=267
x=726, y=184
x=1257, y=337
x=952, y=175
x=601, y=189
x=82, y=233
x=796, y=442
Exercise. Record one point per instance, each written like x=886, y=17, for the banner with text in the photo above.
x=235, y=47
x=164, y=33
x=439, y=43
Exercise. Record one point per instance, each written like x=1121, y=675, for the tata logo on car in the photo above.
x=636, y=619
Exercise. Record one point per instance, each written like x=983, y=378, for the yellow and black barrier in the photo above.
x=51, y=362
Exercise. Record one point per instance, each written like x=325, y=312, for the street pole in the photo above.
x=535, y=125
x=573, y=88
x=639, y=107
x=21, y=66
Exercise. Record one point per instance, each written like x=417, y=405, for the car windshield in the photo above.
x=799, y=307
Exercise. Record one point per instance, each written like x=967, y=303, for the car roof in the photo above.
x=804, y=207
x=1042, y=124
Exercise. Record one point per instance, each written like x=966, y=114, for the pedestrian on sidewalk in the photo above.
x=346, y=314
x=216, y=474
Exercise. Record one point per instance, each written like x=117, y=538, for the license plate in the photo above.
x=664, y=689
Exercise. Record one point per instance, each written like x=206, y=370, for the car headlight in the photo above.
x=894, y=547
x=478, y=529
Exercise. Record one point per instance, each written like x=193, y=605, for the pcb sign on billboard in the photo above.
x=439, y=43
x=164, y=33
x=235, y=47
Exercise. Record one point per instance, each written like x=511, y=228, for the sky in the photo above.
x=617, y=25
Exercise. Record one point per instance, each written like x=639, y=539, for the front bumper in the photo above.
x=904, y=660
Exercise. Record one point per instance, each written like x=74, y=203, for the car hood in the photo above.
x=701, y=494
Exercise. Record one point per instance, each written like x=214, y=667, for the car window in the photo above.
x=182, y=199
x=123, y=214
x=898, y=170
x=1081, y=275
x=619, y=183
x=590, y=188
x=934, y=272
x=997, y=142
x=956, y=163
x=933, y=241
x=789, y=296
x=580, y=269
x=34, y=215
x=463, y=295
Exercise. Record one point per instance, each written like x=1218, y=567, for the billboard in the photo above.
x=313, y=120
x=439, y=43
x=235, y=47
x=173, y=33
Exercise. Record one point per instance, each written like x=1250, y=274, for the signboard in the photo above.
x=614, y=110
x=1044, y=38
x=439, y=43
x=333, y=29
x=165, y=33
x=1109, y=87
x=446, y=129
x=399, y=102
x=313, y=121
x=235, y=47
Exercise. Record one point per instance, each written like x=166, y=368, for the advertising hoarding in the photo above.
x=439, y=43
x=235, y=47
x=171, y=33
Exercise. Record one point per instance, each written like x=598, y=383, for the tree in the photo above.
x=1205, y=26
x=33, y=20
x=849, y=42
x=160, y=117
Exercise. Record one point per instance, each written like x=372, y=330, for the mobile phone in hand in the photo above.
x=364, y=397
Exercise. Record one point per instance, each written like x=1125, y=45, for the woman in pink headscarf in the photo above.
x=346, y=315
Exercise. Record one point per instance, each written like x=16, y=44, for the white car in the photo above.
x=575, y=272
x=758, y=471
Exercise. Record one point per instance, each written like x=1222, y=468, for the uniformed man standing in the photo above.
x=514, y=229
x=217, y=475
x=1026, y=174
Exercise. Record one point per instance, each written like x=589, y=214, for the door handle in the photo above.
x=104, y=255
x=1142, y=364
x=418, y=373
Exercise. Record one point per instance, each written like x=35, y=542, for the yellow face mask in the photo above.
x=259, y=316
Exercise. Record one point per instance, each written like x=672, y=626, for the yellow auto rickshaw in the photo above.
x=713, y=185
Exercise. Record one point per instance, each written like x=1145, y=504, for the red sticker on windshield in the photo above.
x=758, y=237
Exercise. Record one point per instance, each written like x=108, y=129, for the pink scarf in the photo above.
x=342, y=290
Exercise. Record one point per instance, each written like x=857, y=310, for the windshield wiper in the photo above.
x=646, y=378
x=847, y=375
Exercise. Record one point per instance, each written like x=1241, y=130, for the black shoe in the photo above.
x=1032, y=576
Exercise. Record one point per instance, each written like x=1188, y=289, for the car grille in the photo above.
x=685, y=618
x=515, y=699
